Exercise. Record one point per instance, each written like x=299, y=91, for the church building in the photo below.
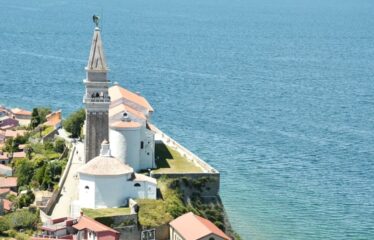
x=116, y=114
x=106, y=182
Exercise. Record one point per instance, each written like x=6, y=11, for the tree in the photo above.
x=24, y=171
x=4, y=224
x=74, y=123
x=10, y=146
x=35, y=118
x=43, y=112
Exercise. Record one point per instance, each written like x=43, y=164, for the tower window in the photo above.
x=86, y=187
x=137, y=185
x=141, y=145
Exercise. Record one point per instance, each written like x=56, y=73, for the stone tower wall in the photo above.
x=97, y=130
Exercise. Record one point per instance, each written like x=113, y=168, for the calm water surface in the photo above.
x=277, y=95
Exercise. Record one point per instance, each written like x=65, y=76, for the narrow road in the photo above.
x=69, y=191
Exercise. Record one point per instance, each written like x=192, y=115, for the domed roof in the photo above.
x=105, y=164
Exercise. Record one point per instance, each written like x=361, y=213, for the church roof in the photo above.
x=118, y=92
x=125, y=108
x=105, y=166
x=96, y=60
x=124, y=124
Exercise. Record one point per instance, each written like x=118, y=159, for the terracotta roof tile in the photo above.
x=7, y=182
x=19, y=111
x=124, y=124
x=19, y=154
x=124, y=108
x=117, y=92
x=7, y=204
x=88, y=223
x=192, y=227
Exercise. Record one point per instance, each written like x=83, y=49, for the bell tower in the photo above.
x=96, y=98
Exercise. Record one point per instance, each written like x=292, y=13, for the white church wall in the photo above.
x=144, y=190
x=86, y=191
x=132, y=136
x=118, y=144
x=110, y=191
x=147, y=159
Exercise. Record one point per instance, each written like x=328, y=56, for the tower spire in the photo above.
x=96, y=60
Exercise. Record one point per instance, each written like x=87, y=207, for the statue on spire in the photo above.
x=96, y=20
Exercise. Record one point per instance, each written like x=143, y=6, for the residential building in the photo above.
x=192, y=227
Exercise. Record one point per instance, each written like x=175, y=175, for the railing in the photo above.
x=184, y=151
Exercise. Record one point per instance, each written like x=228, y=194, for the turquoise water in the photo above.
x=277, y=95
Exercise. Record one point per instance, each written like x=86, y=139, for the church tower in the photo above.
x=96, y=98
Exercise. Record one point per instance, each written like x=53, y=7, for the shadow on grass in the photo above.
x=162, y=153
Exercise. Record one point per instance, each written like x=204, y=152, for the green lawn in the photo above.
x=105, y=212
x=169, y=160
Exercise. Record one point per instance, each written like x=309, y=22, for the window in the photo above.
x=137, y=185
x=141, y=145
x=86, y=187
x=211, y=238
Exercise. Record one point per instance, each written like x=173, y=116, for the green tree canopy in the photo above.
x=74, y=123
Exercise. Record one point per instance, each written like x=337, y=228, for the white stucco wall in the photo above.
x=86, y=196
x=147, y=154
x=125, y=145
x=5, y=172
x=111, y=191
x=118, y=145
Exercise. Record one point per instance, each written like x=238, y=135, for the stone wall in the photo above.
x=211, y=181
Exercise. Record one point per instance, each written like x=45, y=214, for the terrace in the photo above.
x=169, y=160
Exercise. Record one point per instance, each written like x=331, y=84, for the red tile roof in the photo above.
x=90, y=224
x=4, y=191
x=8, y=182
x=7, y=204
x=19, y=154
x=193, y=227
x=117, y=92
x=19, y=111
x=124, y=124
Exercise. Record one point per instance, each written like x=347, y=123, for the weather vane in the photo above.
x=96, y=20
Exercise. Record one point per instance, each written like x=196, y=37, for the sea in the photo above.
x=276, y=95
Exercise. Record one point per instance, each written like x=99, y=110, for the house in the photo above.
x=19, y=155
x=192, y=227
x=54, y=119
x=89, y=229
x=14, y=133
x=5, y=191
x=6, y=206
x=5, y=170
x=7, y=122
x=23, y=116
x=8, y=182
x=106, y=182
x=82, y=228
x=4, y=158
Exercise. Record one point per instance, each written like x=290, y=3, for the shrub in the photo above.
x=59, y=145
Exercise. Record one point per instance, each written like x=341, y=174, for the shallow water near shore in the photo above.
x=277, y=95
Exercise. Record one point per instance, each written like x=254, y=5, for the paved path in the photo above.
x=69, y=191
